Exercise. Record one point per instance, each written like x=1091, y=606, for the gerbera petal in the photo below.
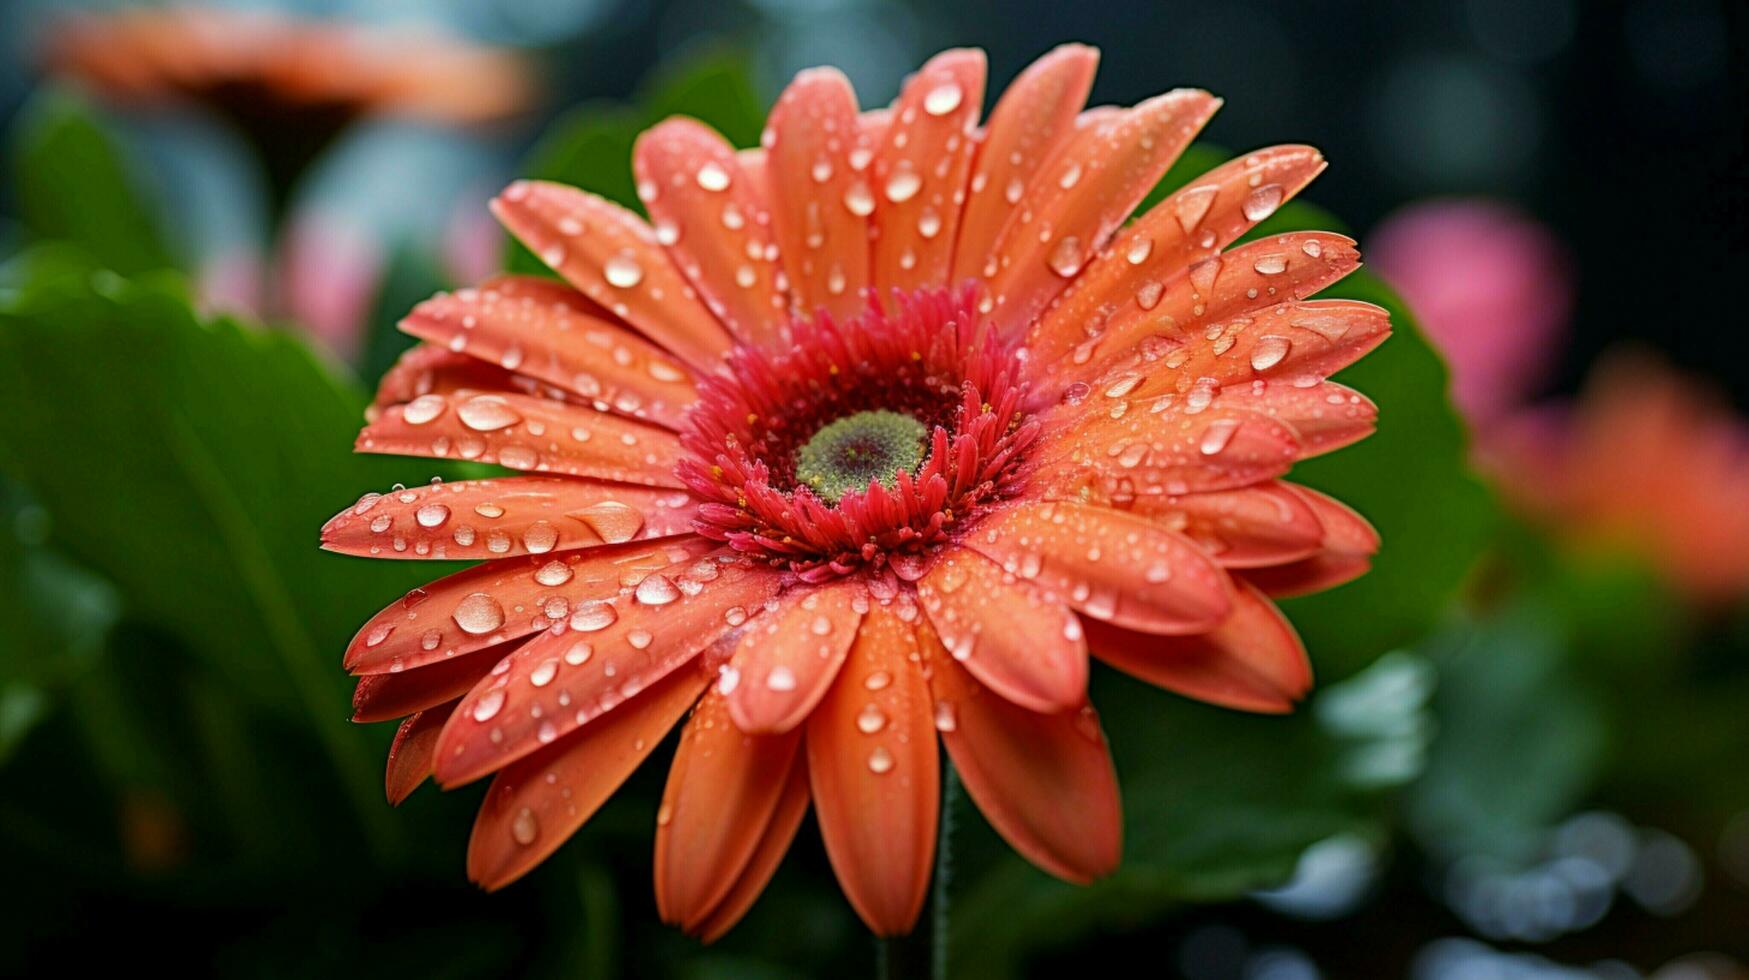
x=1022, y=644
x=716, y=225
x=1109, y=565
x=502, y=518
x=1324, y=416
x=773, y=843
x=537, y=803
x=787, y=657
x=819, y=191
x=380, y=697
x=1268, y=524
x=549, y=331
x=1116, y=445
x=502, y=600
x=1034, y=117
x=526, y=433
x=427, y=369
x=1253, y=661
x=1044, y=781
x=1084, y=194
x=875, y=775
x=587, y=666
x=1161, y=318
x=1345, y=554
x=723, y=789
x=615, y=259
x=411, y=752
x=1191, y=225
x=919, y=172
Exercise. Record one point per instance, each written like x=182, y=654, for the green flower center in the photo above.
x=845, y=455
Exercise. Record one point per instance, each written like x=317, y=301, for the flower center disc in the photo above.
x=847, y=454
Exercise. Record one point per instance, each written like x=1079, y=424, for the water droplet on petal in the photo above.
x=423, y=409
x=486, y=413
x=593, y=616
x=431, y=515
x=942, y=99
x=880, y=761
x=712, y=177
x=1269, y=352
x=489, y=704
x=622, y=271
x=524, y=828
x=478, y=613
x=553, y=574
x=657, y=590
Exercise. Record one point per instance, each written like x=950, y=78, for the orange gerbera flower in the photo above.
x=1649, y=460
x=865, y=442
x=257, y=63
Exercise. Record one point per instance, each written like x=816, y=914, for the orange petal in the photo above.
x=427, y=369
x=773, y=844
x=1023, y=645
x=411, y=752
x=549, y=331
x=1084, y=194
x=1109, y=565
x=1044, y=781
x=526, y=433
x=502, y=600
x=1324, y=416
x=615, y=259
x=875, y=776
x=1268, y=524
x=1117, y=445
x=1253, y=661
x=819, y=191
x=1166, y=322
x=536, y=804
x=723, y=790
x=589, y=665
x=918, y=179
x=486, y=519
x=1346, y=553
x=380, y=697
x=1034, y=117
x=1191, y=225
x=786, y=658
x=716, y=225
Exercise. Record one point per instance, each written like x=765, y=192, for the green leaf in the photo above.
x=73, y=184
x=192, y=464
x=1217, y=804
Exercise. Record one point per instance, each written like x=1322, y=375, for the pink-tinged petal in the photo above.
x=522, y=432
x=1084, y=194
x=773, y=844
x=1109, y=565
x=615, y=259
x=1161, y=319
x=502, y=600
x=918, y=178
x=1345, y=555
x=723, y=790
x=787, y=657
x=502, y=518
x=1253, y=661
x=1189, y=226
x=536, y=804
x=1268, y=524
x=428, y=369
x=1044, y=781
x=549, y=331
x=715, y=223
x=1325, y=416
x=1022, y=644
x=1116, y=444
x=819, y=189
x=411, y=752
x=1034, y=117
x=588, y=665
x=875, y=775
x=380, y=697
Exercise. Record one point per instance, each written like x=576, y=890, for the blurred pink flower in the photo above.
x=1647, y=459
x=330, y=270
x=1492, y=288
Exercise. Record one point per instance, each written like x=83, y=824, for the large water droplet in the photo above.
x=524, y=828
x=942, y=99
x=478, y=613
x=622, y=271
x=487, y=413
x=657, y=590
x=489, y=704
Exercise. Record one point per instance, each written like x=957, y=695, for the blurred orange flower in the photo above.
x=866, y=441
x=1647, y=459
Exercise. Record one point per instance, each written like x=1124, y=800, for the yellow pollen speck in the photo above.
x=716, y=471
x=832, y=369
x=752, y=418
x=916, y=355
